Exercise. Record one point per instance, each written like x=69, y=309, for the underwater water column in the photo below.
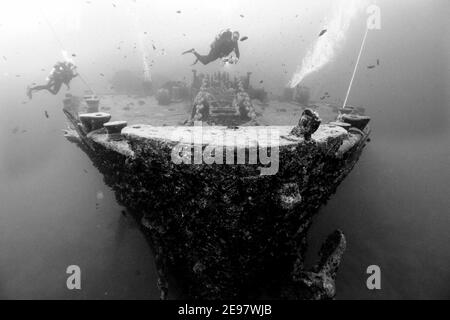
x=326, y=46
x=145, y=64
x=143, y=50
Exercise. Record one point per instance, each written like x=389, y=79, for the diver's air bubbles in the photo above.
x=330, y=39
x=66, y=56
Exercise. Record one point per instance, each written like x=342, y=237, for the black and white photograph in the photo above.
x=224, y=156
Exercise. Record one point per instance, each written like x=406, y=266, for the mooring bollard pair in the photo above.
x=95, y=120
x=351, y=118
x=99, y=120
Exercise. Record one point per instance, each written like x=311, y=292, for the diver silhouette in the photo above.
x=224, y=44
x=62, y=73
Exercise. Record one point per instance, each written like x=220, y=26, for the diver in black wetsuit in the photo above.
x=62, y=73
x=224, y=44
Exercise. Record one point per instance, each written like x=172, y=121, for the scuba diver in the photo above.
x=224, y=44
x=62, y=73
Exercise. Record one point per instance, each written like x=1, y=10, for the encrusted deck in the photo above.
x=240, y=137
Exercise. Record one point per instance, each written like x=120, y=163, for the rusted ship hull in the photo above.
x=226, y=231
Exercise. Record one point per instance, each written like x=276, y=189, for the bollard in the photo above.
x=356, y=121
x=308, y=124
x=94, y=121
x=114, y=128
x=93, y=104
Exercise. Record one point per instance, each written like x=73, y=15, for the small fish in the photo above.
x=322, y=32
x=378, y=62
x=179, y=11
x=154, y=48
x=241, y=15
x=262, y=81
x=370, y=67
x=15, y=130
x=244, y=38
x=46, y=114
x=102, y=74
x=114, y=5
x=4, y=58
x=74, y=55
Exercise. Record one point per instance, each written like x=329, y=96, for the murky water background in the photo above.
x=393, y=207
x=56, y=211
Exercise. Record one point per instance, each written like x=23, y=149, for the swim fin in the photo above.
x=189, y=51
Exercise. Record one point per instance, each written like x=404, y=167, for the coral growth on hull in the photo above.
x=228, y=231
